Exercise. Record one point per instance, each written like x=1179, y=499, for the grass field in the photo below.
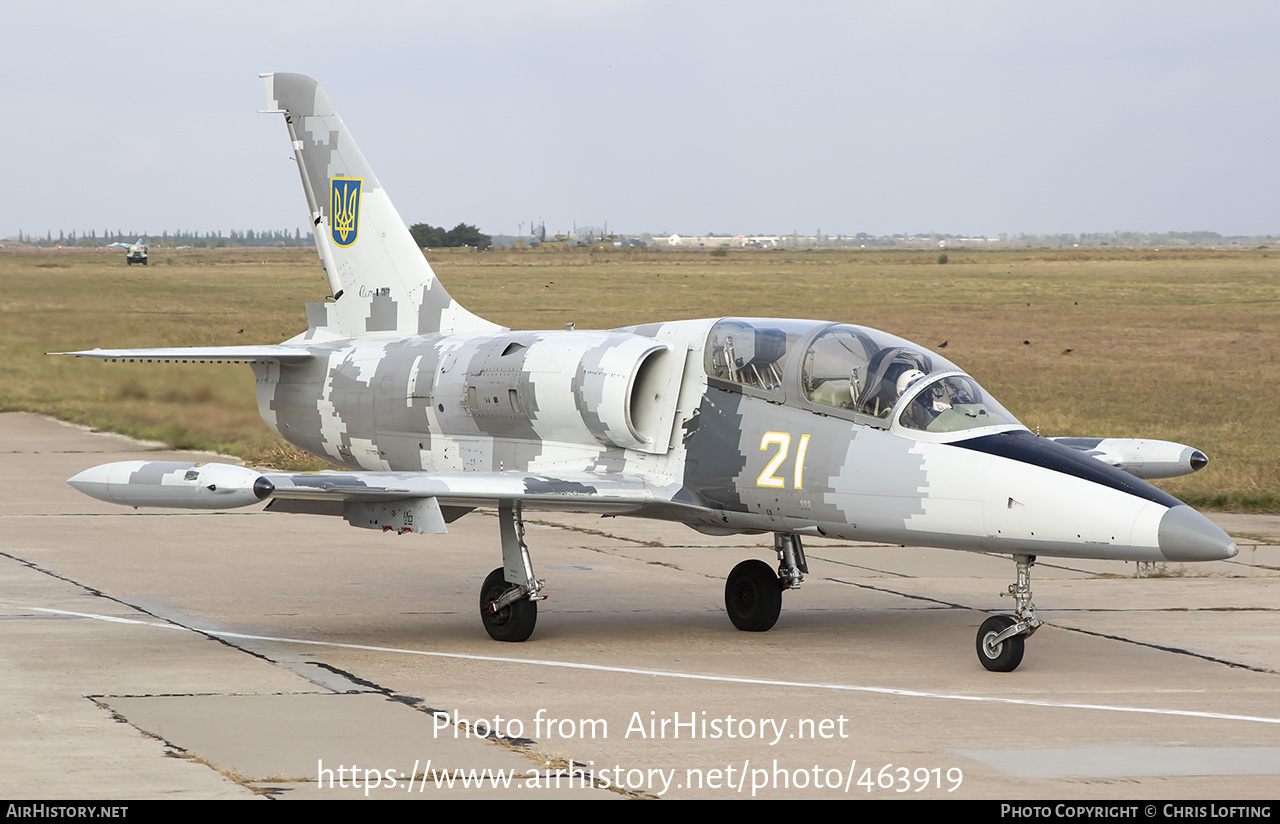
x=1172, y=344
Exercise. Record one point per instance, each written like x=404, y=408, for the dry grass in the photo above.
x=60, y=300
x=1179, y=345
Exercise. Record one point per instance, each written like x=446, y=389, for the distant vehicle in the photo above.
x=137, y=253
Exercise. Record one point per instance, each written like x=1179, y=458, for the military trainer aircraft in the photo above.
x=729, y=425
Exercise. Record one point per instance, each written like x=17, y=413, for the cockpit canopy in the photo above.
x=751, y=352
x=852, y=369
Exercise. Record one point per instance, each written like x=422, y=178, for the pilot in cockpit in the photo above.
x=892, y=371
x=928, y=405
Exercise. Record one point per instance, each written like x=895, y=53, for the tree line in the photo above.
x=428, y=236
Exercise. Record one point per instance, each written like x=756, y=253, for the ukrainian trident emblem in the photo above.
x=344, y=209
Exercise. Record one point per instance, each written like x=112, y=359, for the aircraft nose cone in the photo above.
x=1186, y=535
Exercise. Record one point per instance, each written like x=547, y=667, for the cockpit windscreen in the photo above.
x=952, y=403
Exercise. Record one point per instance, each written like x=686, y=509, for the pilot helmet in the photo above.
x=907, y=378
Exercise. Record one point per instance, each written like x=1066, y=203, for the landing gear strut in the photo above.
x=753, y=593
x=509, y=596
x=1002, y=638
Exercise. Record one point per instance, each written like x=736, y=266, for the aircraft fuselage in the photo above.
x=742, y=457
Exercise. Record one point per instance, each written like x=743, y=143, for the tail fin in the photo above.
x=381, y=282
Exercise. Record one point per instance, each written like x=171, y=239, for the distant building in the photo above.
x=715, y=241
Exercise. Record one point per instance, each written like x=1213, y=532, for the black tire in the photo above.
x=753, y=596
x=1008, y=654
x=514, y=622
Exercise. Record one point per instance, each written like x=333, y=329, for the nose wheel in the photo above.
x=1002, y=638
x=997, y=655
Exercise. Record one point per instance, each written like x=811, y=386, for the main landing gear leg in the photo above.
x=792, y=566
x=509, y=596
x=753, y=593
x=1002, y=638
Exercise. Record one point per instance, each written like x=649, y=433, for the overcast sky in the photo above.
x=971, y=117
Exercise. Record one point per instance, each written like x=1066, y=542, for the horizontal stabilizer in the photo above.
x=190, y=354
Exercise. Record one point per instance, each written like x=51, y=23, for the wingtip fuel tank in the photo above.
x=1143, y=458
x=174, y=484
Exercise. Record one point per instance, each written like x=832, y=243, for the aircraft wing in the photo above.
x=424, y=502
x=400, y=501
x=192, y=354
x=595, y=492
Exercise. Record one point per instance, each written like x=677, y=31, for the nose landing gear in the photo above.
x=1002, y=638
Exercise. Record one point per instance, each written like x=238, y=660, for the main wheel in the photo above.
x=753, y=596
x=513, y=622
x=1002, y=657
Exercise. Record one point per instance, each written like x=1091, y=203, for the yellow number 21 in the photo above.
x=783, y=441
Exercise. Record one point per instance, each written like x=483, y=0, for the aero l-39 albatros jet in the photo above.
x=728, y=425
